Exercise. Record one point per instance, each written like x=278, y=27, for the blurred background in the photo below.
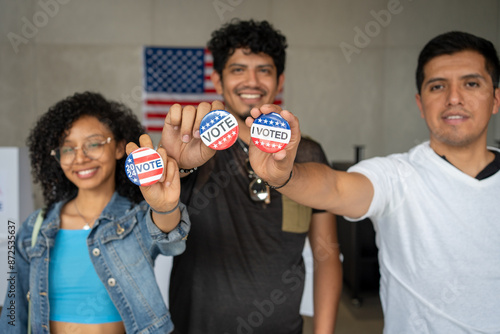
x=349, y=74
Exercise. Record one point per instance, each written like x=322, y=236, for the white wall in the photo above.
x=369, y=100
x=16, y=204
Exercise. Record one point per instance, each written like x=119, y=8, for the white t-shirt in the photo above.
x=438, y=234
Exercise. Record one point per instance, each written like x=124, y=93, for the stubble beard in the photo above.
x=245, y=114
x=454, y=138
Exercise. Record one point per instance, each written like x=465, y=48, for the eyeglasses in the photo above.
x=258, y=190
x=92, y=148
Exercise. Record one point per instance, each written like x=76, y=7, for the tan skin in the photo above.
x=95, y=180
x=248, y=81
x=327, y=271
x=457, y=101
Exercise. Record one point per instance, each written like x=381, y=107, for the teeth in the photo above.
x=454, y=117
x=86, y=172
x=250, y=96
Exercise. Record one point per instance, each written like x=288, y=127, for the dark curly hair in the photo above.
x=50, y=130
x=256, y=36
x=457, y=41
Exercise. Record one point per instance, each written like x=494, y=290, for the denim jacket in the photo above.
x=123, y=244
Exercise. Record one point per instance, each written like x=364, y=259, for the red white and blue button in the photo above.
x=270, y=132
x=144, y=166
x=219, y=129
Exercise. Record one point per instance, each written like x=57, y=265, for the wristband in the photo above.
x=284, y=184
x=166, y=212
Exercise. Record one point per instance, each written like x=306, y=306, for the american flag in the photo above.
x=176, y=75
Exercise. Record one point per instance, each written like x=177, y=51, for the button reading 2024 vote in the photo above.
x=270, y=132
x=144, y=166
x=219, y=129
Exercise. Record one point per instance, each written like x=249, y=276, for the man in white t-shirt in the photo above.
x=436, y=208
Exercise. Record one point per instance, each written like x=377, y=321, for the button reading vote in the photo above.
x=144, y=166
x=219, y=130
x=270, y=132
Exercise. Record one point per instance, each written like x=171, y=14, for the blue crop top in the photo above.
x=76, y=294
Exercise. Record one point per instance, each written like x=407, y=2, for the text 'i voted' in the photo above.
x=270, y=132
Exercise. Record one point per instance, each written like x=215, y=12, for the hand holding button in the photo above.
x=181, y=136
x=160, y=190
x=275, y=165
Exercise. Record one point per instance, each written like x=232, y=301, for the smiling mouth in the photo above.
x=86, y=172
x=250, y=96
x=454, y=117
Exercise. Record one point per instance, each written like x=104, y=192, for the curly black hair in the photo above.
x=51, y=128
x=256, y=36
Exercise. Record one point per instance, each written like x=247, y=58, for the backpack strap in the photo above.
x=36, y=227
x=34, y=235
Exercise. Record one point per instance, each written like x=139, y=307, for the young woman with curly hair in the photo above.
x=91, y=268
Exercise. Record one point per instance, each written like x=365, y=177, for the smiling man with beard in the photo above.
x=243, y=270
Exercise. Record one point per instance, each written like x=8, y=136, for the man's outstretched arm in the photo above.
x=311, y=184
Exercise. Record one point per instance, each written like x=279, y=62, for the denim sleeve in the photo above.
x=174, y=242
x=14, y=317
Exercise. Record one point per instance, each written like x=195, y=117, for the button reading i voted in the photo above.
x=270, y=132
x=144, y=166
x=219, y=129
